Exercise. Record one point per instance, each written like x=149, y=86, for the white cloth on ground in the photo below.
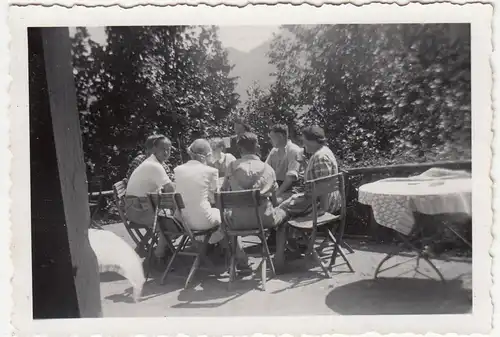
x=115, y=255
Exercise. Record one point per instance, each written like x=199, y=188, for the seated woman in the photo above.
x=220, y=160
x=322, y=163
x=197, y=183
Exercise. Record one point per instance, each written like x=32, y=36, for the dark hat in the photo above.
x=314, y=133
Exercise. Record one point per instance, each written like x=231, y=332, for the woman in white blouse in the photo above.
x=197, y=184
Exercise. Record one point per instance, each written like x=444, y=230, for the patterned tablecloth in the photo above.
x=394, y=200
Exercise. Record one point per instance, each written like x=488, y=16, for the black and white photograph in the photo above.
x=258, y=167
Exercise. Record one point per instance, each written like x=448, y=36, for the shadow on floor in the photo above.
x=212, y=293
x=458, y=255
x=400, y=296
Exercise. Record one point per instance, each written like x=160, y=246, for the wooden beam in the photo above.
x=54, y=293
x=72, y=174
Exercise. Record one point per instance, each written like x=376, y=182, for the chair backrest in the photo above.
x=322, y=187
x=171, y=201
x=96, y=183
x=239, y=199
x=119, y=189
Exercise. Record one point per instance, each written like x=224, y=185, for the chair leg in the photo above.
x=197, y=260
x=316, y=258
x=171, y=261
x=335, y=249
x=170, y=245
x=232, y=261
x=344, y=257
x=338, y=250
x=144, y=239
x=347, y=246
x=194, y=268
x=267, y=254
x=148, y=264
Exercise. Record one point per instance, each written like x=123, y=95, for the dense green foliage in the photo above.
x=384, y=93
x=172, y=80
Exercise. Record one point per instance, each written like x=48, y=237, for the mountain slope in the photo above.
x=251, y=67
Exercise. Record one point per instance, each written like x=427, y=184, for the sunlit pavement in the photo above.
x=301, y=291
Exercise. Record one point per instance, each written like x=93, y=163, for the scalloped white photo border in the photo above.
x=16, y=177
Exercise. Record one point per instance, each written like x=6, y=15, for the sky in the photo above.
x=243, y=38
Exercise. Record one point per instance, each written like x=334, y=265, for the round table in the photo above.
x=395, y=200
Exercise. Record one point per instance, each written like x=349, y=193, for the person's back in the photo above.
x=248, y=173
x=140, y=158
x=196, y=182
x=148, y=177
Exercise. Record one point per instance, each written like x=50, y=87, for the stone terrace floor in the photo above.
x=301, y=291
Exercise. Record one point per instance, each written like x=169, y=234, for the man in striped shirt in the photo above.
x=148, y=149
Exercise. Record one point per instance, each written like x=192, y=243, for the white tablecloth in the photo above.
x=394, y=200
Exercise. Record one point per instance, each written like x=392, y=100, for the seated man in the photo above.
x=240, y=127
x=284, y=158
x=149, y=177
x=248, y=173
x=197, y=182
x=322, y=163
x=148, y=150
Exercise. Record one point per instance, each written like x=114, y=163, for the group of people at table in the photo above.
x=214, y=166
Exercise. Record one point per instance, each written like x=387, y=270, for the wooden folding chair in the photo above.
x=142, y=235
x=172, y=202
x=244, y=199
x=95, y=198
x=309, y=224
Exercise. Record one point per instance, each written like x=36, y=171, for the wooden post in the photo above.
x=71, y=166
x=54, y=293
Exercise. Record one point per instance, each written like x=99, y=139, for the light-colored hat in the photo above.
x=200, y=147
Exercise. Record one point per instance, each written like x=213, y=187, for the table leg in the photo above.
x=420, y=254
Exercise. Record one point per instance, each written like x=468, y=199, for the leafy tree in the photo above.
x=172, y=80
x=383, y=93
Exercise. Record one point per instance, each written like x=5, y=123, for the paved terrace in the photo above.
x=301, y=291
